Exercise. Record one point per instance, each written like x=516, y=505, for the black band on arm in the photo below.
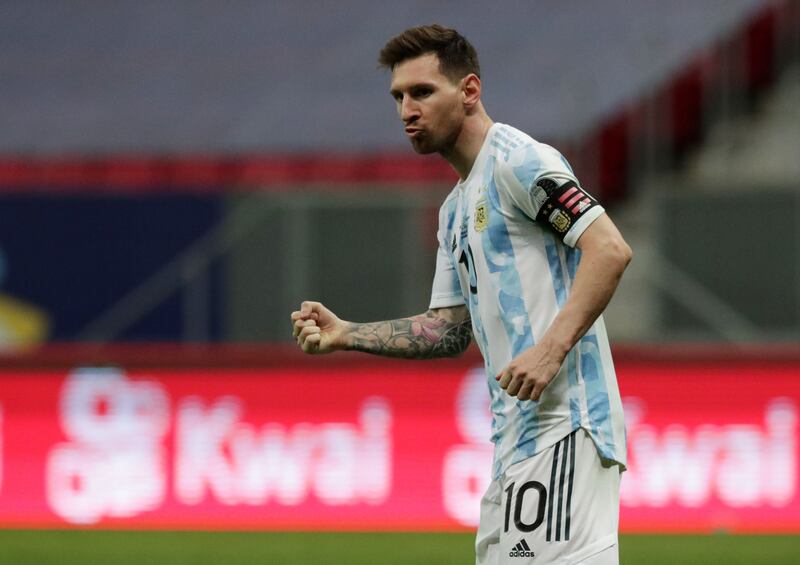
x=563, y=204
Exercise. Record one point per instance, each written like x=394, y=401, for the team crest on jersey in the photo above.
x=481, y=216
x=560, y=221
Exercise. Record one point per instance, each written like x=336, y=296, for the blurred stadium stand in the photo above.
x=188, y=172
x=205, y=77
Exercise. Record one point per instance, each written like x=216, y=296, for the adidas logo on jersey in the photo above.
x=522, y=549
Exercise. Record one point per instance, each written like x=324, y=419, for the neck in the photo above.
x=462, y=154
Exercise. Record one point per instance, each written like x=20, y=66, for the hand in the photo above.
x=317, y=329
x=528, y=375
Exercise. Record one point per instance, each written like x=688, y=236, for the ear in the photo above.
x=471, y=90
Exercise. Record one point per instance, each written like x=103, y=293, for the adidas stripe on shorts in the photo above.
x=559, y=506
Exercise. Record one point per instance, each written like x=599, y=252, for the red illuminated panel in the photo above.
x=711, y=446
x=336, y=449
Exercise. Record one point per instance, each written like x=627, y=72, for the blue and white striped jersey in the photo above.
x=506, y=250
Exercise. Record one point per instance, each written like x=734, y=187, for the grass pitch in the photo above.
x=23, y=547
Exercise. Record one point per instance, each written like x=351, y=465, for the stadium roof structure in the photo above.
x=98, y=78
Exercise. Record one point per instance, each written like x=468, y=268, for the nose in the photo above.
x=409, y=110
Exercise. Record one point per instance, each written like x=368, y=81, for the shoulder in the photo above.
x=521, y=160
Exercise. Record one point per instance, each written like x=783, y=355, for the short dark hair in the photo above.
x=457, y=57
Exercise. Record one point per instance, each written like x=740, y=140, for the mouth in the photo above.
x=413, y=133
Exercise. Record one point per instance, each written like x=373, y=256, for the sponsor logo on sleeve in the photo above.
x=548, y=186
x=541, y=191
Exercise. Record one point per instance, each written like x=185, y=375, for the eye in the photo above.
x=422, y=92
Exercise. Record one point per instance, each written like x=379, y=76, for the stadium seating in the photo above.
x=133, y=77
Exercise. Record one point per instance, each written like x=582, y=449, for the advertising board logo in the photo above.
x=741, y=465
x=219, y=455
x=113, y=463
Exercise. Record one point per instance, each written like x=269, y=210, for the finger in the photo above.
x=311, y=343
x=307, y=308
x=301, y=341
x=525, y=390
x=537, y=391
x=308, y=331
x=298, y=315
x=309, y=315
x=505, y=379
x=514, y=386
x=300, y=324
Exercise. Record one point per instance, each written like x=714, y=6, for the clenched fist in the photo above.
x=317, y=329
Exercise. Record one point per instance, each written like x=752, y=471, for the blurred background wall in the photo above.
x=190, y=171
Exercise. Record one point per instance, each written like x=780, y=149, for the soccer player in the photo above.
x=527, y=262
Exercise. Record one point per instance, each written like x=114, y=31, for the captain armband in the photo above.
x=561, y=204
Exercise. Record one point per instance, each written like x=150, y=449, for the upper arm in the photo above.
x=543, y=186
x=603, y=235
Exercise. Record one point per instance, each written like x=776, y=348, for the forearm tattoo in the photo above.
x=426, y=336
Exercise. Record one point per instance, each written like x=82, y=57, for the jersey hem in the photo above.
x=606, y=461
x=447, y=300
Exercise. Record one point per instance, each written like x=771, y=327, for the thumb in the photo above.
x=309, y=310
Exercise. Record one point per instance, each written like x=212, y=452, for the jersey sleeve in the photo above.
x=542, y=185
x=446, y=289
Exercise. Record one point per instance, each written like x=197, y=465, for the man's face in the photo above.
x=428, y=103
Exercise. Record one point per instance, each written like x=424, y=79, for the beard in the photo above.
x=425, y=143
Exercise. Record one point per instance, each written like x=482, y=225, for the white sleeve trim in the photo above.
x=571, y=237
x=446, y=300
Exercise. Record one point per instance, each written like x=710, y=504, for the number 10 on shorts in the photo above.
x=520, y=524
x=533, y=519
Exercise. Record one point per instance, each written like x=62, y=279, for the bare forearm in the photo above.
x=595, y=281
x=437, y=333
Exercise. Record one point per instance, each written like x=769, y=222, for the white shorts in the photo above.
x=559, y=506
